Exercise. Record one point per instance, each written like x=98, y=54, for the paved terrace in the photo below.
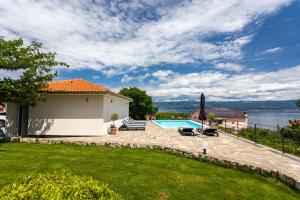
x=224, y=147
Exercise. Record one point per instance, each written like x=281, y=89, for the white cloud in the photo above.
x=139, y=78
x=110, y=72
x=126, y=78
x=162, y=74
x=270, y=51
x=112, y=36
x=143, y=77
x=274, y=50
x=278, y=85
x=229, y=66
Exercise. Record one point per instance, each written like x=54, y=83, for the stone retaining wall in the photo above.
x=291, y=182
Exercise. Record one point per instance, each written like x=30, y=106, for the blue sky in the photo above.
x=230, y=50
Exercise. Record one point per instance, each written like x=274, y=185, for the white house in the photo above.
x=71, y=108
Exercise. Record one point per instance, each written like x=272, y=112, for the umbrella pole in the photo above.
x=202, y=126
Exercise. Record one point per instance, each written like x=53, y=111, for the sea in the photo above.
x=266, y=114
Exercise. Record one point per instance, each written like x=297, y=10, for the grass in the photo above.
x=140, y=173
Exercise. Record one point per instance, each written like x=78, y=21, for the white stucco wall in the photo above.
x=67, y=114
x=11, y=119
x=112, y=104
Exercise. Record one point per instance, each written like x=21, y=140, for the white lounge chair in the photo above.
x=132, y=121
x=127, y=126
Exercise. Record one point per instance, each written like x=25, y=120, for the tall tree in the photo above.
x=34, y=66
x=142, y=104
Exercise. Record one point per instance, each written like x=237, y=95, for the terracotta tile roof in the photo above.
x=222, y=113
x=79, y=86
x=74, y=85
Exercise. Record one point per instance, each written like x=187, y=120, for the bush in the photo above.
x=228, y=130
x=273, y=138
x=59, y=185
x=211, y=118
x=292, y=133
x=171, y=115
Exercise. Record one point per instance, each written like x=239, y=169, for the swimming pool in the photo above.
x=177, y=123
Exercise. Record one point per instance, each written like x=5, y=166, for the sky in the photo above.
x=230, y=50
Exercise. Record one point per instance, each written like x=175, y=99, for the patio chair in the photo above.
x=127, y=126
x=132, y=121
x=208, y=131
x=186, y=131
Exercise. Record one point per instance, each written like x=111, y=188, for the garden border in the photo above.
x=291, y=182
x=262, y=146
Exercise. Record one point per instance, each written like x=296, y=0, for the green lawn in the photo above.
x=140, y=174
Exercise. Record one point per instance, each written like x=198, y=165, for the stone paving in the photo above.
x=224, y=147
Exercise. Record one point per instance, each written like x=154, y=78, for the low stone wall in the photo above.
x=290, y=181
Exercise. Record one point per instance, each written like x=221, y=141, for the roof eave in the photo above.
x=92, y=92
x=120, y=96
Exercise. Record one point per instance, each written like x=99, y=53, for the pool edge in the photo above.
x=154, y=121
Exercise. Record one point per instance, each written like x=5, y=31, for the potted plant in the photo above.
x=147, y=117
x=113, y=128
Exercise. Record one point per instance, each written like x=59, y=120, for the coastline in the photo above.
x=271, y=113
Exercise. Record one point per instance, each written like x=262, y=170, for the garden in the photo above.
x=131, y=174
x=286, y=139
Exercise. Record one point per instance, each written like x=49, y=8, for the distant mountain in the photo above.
x=191, y=106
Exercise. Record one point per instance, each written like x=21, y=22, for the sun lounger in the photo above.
x=208, y=131
x=132, y=121
x=127, y=126
x=186, y=131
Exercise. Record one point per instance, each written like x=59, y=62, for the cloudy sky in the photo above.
x=230, y=50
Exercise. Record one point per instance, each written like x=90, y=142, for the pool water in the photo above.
x=177, y=123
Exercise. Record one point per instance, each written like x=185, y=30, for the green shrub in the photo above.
x=171, y=116
x=59, y=185
x=292, y=133
x=228, y=130
x=272, y=138
x=211, y=118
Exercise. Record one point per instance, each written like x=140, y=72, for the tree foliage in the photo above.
x=142, y=103
x=172, y=116
x=34, y=66
x=297, y=103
